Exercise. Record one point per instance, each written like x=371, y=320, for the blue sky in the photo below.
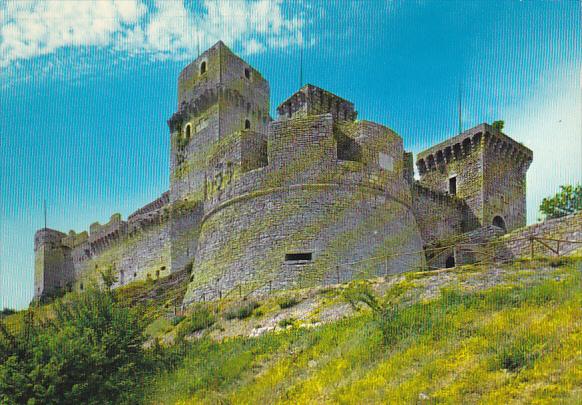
x=86, y=89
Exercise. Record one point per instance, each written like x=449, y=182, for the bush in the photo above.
x=241, y=311
x=7, y=311
x=287, y=302
x=90, y=352
x=518, y=354
x=283, y=323
x=177, y=319
x=200, y=319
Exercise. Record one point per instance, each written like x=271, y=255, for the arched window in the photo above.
x=247, y=73
x=500, y=223
x=247, y=124
x=188, y=131
x=450, y=262
x=203, y=68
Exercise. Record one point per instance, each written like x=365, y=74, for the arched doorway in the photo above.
x=500, y=223
x=450, y=262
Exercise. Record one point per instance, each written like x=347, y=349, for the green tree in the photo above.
x=498, y=124
x=108, y=277
x=567, y=201
x=89, y=352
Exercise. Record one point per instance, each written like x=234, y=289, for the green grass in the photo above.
x=199, y=319
x=510, y=343
x=240, y=311
x=287, y=302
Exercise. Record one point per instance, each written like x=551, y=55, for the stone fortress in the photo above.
x=309, y=198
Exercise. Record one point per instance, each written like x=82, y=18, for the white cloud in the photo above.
x=163, y=29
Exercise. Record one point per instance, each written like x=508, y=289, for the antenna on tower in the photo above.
x=44, y=209
x=198, y=41
x=460, y=108
x=301, y=67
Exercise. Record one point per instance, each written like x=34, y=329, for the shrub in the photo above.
x=7, y=311
x=286, y=322
x=90, y=352
x=201, y=318
x=241, y=311
x=287, y=302
x=158, y=327
x=177, y=319
x=517, y=354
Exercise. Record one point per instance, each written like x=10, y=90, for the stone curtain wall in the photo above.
x=143, y=255
x=491, y=243
x=438, y=215
x=517, y=243
x=134, y=249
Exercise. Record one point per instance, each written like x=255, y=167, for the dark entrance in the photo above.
x=450, y=262
x=500, y=223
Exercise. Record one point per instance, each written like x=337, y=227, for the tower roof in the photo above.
x=313, y=100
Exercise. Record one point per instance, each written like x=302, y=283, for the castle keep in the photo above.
x=311, y=197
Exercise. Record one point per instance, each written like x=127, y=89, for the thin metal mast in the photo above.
x=460, y=109
x=301, y=67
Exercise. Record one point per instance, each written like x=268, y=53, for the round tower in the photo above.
x=328, y=204
x=53, y=268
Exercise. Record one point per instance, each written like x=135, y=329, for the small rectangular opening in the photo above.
x=453, y=185
x=298, y=257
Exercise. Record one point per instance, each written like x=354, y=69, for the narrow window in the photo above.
x=188, y=131
x=81, y=286
x=294, y=258
x=203, y=68
x=247, y=73
x=134, y=275
x=453, y=185
x=247, y=124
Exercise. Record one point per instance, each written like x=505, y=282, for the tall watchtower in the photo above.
x=53, y=268
x=218, y=95
x=220, y=99
x=484, y=167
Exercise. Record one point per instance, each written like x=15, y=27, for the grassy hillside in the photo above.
x=512, y=334
x=509, y=334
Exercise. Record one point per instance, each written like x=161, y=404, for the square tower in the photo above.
x=485, y=168
x=219, y=95
x=222, y=101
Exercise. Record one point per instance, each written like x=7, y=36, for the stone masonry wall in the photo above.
x=306, y=201
x=438, y=215
x=517, y=243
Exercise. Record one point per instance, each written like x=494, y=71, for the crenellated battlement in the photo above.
x=312, y=100
x=470, y=141
x=47, y=237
